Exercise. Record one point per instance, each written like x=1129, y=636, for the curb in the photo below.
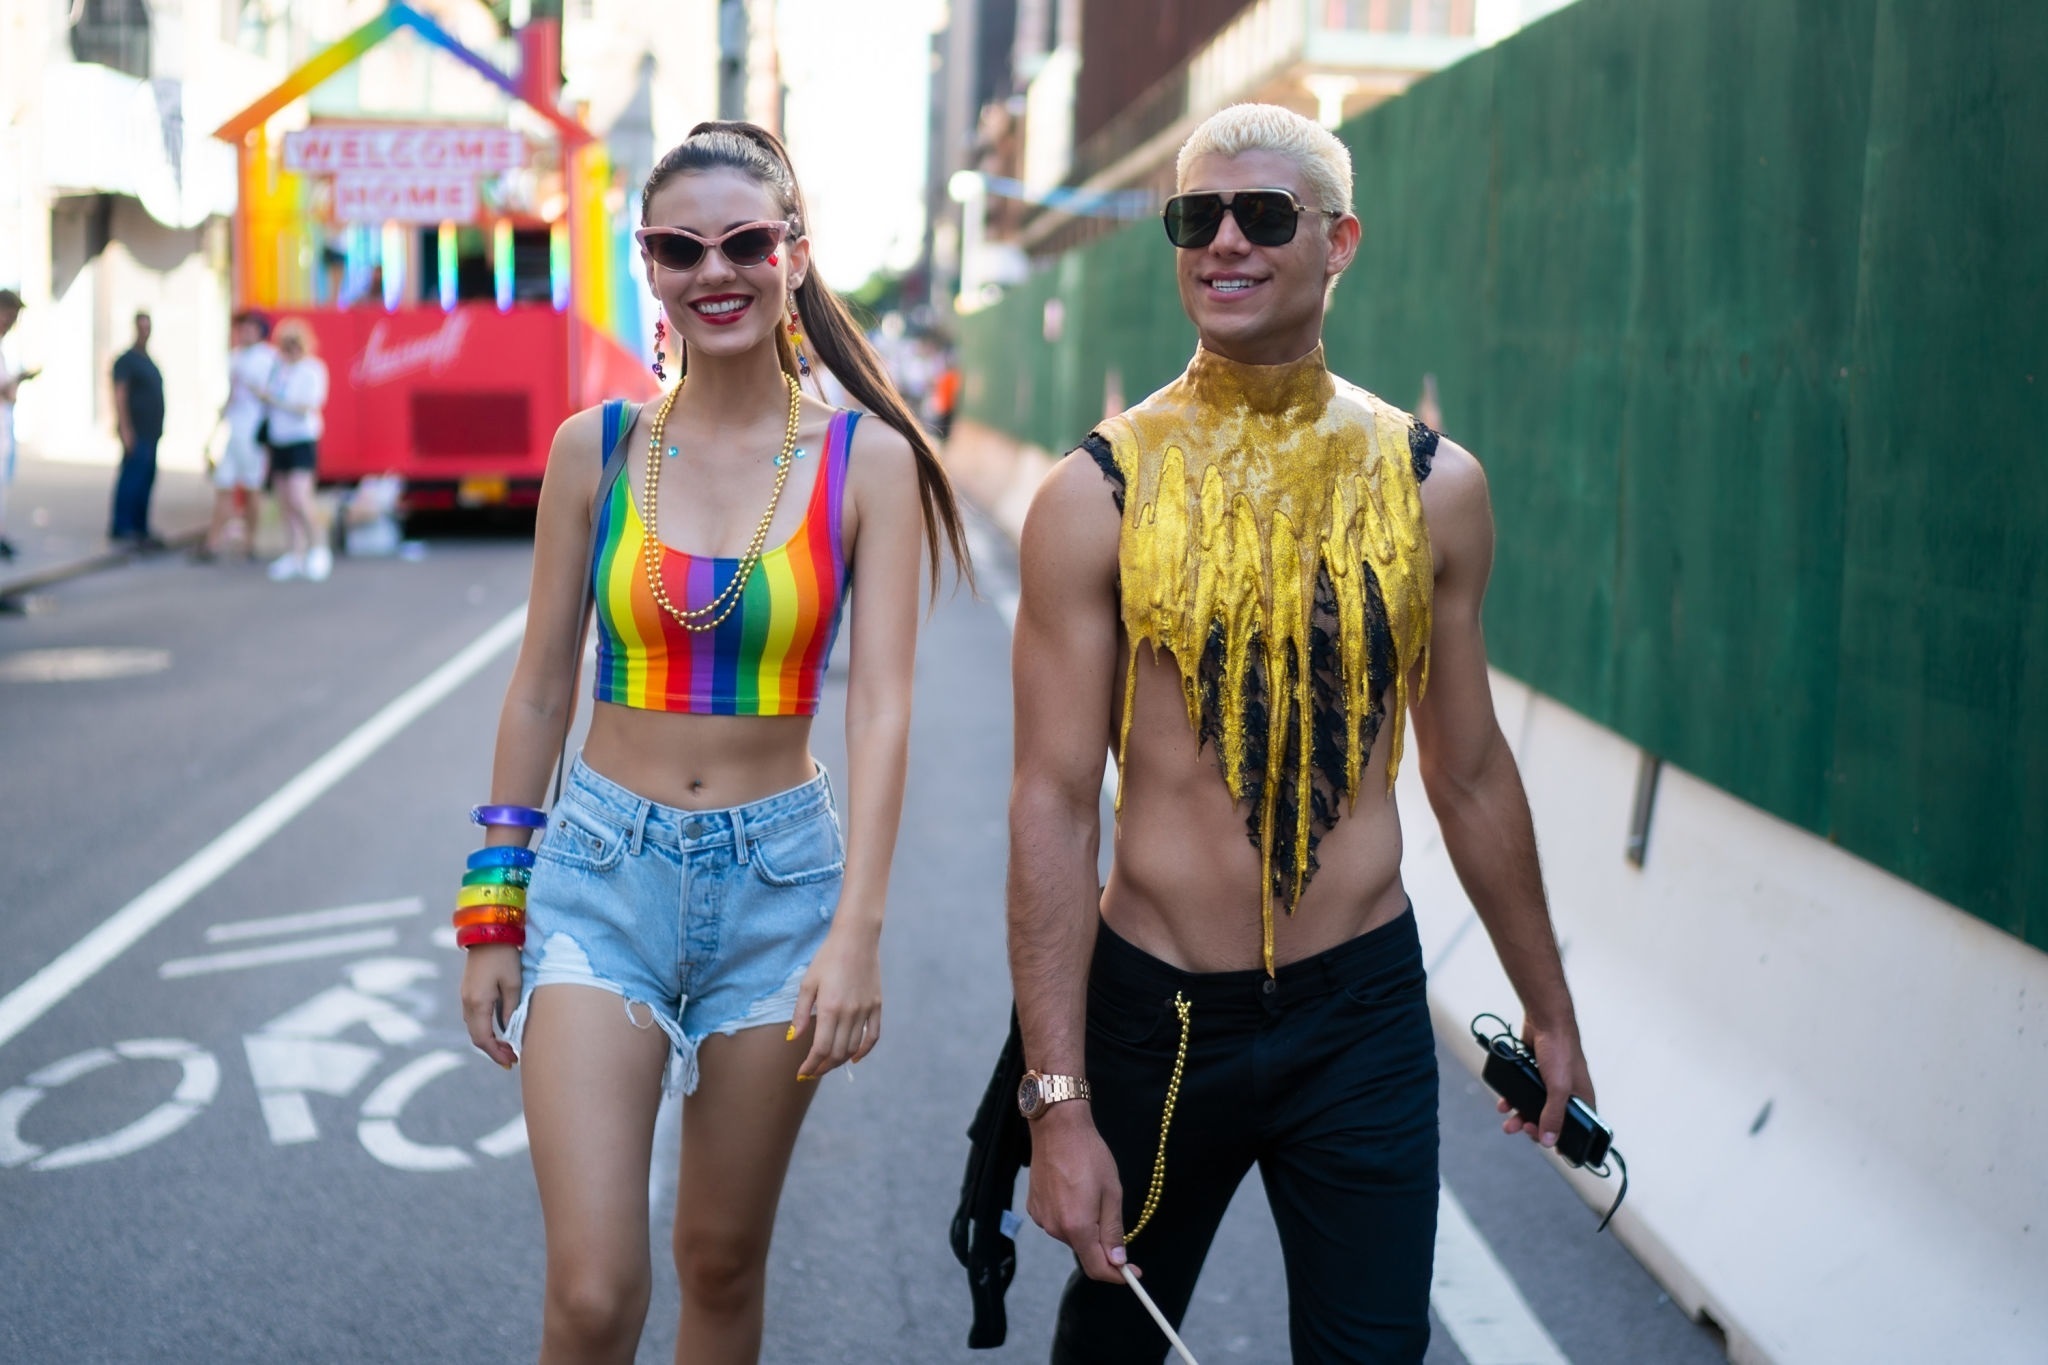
x=53, y=574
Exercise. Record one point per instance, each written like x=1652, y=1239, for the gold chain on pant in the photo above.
x=1180, y=1062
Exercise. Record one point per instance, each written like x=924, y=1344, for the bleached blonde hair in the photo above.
x=1325, y=162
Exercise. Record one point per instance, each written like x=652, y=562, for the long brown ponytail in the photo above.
x=842, y=347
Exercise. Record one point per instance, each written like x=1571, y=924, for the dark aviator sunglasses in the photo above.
x=674, y=248
x=1265, y=217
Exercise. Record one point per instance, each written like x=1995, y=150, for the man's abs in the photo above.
x=1184, y=875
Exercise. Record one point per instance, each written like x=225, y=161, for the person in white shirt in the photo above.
x=294, y=399
x=238, y=477
x=10, y=381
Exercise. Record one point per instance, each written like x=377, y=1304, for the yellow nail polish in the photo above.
x=790, y=1036
x=800, y=1076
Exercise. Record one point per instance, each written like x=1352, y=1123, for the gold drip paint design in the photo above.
x=1243, y=483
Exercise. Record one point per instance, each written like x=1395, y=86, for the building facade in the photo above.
x=1077, y=127
x=116, y=198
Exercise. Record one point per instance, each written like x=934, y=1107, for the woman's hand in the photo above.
x=842, y=994
x=490, y=992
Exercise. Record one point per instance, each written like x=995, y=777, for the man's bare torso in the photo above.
x=1184, y=879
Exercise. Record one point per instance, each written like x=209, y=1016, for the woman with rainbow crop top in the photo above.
x=692, y=918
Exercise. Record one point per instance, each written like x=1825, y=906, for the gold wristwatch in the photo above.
x=1037, y=1093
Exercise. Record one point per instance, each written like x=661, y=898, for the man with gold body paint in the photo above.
x=1244, y=587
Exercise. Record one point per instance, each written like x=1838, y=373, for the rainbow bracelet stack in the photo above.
x=490, y=907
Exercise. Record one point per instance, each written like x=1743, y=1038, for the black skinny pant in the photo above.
x=1325, y=1078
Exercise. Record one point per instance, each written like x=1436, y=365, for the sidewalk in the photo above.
x=57, y=518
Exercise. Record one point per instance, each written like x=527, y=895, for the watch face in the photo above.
x=1029, y=1095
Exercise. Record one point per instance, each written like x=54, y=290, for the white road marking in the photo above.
x=368, y=913
x=86, y=664
x=509, y=1140
x=378, y=1130
x=286, y=1070
x=197, y=1085
x=13, y=1104
x=662, y=1171
x=79, y=963
x=1473, y=1295
x=300, y=1052
x=241, y=959
x=1477, y=1301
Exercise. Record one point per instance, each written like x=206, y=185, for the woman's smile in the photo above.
x=722, y=310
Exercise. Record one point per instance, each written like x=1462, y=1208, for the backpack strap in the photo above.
x=618, y=419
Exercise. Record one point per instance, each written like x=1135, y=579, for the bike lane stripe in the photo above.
x=1477, y=1300
x=241, y=959
x=367, y=913
x=79, y=963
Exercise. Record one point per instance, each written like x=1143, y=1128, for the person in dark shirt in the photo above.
x=139, y=411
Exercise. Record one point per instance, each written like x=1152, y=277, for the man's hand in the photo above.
x=1076, y=1194
x=1563, y=1065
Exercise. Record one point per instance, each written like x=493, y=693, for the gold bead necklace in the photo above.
x=1156, y=1190
x=712, y=615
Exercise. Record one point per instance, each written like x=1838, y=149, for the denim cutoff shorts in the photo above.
x=701, y=921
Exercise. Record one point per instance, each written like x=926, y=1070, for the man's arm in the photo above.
x=1476, y=790
x=1064, y=678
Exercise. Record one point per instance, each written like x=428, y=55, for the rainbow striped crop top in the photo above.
x=768, y=657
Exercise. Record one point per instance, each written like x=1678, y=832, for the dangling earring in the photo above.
x=660, y=341
x=796, y=342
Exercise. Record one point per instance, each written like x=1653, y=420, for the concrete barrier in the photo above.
x=1828, y=1084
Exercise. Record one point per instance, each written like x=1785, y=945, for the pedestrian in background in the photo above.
x=945, y=394
x=698, y=923
x=295, y=399
x=139, y=416
x=11, y=381
x=238, y=476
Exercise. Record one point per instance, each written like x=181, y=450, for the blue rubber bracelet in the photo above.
x=525, y=817
x=504, y=855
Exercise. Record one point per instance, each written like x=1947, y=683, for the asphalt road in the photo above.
x=251, y=1136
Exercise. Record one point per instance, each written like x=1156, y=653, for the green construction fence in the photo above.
x=1744, y=307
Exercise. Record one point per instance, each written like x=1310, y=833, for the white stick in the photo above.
x=1150, y=1307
